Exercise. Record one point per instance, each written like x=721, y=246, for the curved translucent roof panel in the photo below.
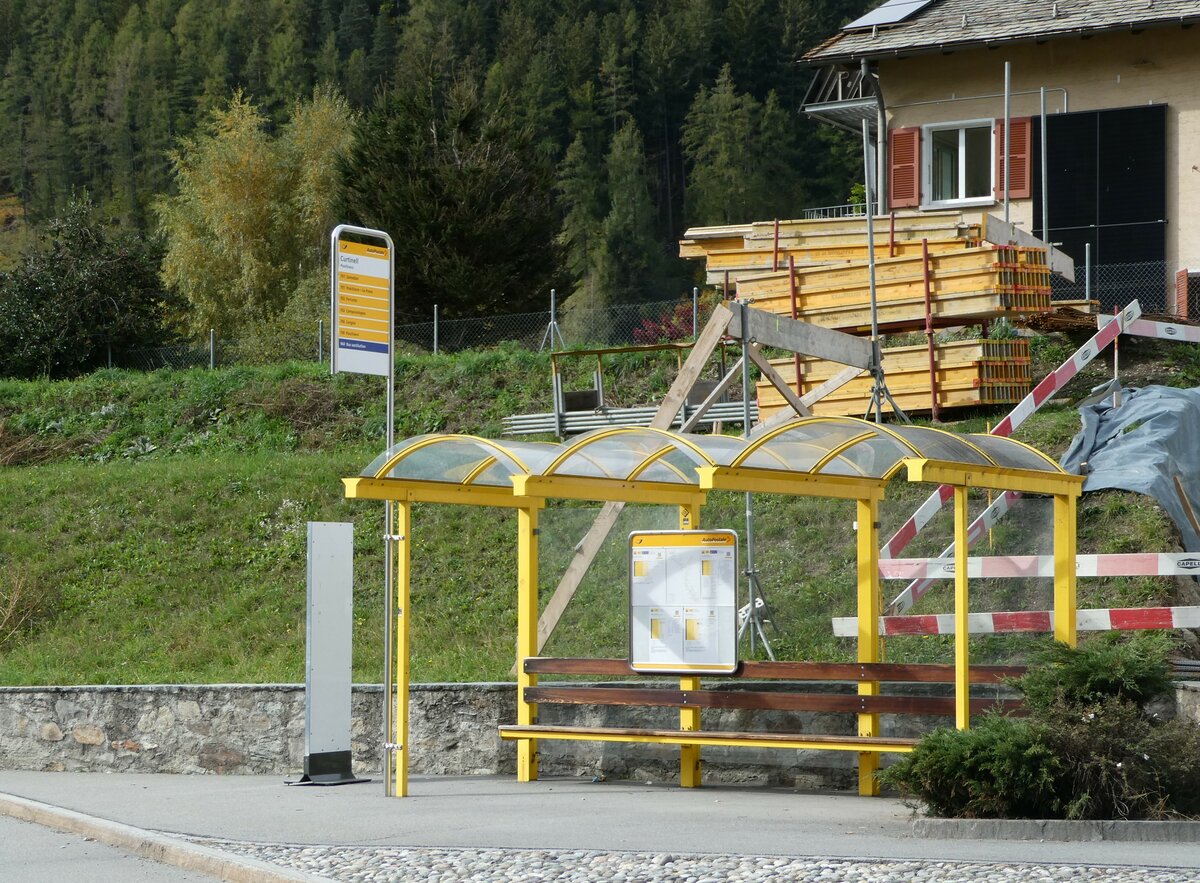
x=848, y=446
x=461, y=459
x=637, y=453
x=824, y=444
x=1006, y=452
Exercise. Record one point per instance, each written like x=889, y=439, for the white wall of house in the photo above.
x=1157, y=66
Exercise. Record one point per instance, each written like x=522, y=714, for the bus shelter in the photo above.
x=836, y=457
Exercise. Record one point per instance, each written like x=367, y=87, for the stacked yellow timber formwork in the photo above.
x=966, y=286
x=740, y=250
x=968, y=373
x=932, y=265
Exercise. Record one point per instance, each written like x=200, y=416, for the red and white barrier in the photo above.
x=1042, y=566
x=1096, y=620
x=1160, y=330
x=1049, y=385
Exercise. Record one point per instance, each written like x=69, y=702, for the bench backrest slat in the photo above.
x=760, y=700
x=792, y=671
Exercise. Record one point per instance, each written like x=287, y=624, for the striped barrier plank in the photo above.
x=1160, y=330
x=1041, y=393
x=1094, y=620
x=1042, y=566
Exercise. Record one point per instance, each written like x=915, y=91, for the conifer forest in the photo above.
x=175, y=165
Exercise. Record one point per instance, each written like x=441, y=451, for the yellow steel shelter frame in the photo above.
x=838, y=457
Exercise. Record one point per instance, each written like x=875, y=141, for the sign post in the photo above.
x=683, y=601
x=362, y=288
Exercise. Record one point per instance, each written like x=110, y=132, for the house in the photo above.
x=1103, y=98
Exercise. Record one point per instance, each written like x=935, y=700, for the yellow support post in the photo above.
x=962, y=650
x=527, y=619
x=403, y=526
x=870, y=603
x=1065, y=602
x=689, y=718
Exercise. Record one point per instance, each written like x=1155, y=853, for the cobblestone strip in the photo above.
x=379, y=864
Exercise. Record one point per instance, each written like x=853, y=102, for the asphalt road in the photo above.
x=30, y=853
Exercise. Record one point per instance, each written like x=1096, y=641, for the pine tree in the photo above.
x=354, y=28
x=461, y=180
x=629, y=261
x=581, y=195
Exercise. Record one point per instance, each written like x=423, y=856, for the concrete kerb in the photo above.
x=150, y=845
x=1057, y=830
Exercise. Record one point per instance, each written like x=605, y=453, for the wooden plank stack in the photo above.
x=969, y=373
x=964, y=279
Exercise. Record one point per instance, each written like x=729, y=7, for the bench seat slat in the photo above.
x=711, y=737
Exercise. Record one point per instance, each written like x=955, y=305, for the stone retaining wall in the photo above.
x=259, y=729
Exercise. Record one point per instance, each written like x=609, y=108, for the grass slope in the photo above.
x=152, y=526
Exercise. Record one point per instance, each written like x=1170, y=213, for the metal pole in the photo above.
x=1045, y=177
x=695, y=312
x=333, y=353
x=933, y=382
x=876, y=355
x=750, y=596
x=212, y=348
x=1087, y=271
x=394, y=749
x=1007, y=126
x=435, y=329
x=389, y=569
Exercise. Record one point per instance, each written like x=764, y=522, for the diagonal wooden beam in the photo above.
x=777, y=381
x=834, y=383
x=587, y=550
x=713, y=397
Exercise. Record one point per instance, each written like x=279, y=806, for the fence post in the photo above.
x=1087, y=271
x=695, y=311
x=320, y=341
x=110, y=354
x=435, y=329
x=212, y=348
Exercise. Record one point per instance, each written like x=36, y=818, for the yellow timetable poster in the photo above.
x=683, y=601
x=363, y=308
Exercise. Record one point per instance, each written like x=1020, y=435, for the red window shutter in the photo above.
x=1020, y=157
x=904, y=168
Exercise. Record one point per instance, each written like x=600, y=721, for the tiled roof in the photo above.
x=950, y=24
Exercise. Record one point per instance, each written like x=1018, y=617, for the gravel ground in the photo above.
x=378, y=864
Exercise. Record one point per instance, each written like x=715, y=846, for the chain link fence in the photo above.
x=617, y=325
x=1115, y=285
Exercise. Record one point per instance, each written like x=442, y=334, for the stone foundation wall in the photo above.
x=259, y=729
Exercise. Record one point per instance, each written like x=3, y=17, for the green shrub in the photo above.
x=1001, y=768
x=1086, y=751
x=1133, y=669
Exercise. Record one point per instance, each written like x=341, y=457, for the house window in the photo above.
x=958, y=163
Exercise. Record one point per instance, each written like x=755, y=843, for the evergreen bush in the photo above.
x=1087, y=750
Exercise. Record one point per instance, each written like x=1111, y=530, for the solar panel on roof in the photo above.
x=889, y=13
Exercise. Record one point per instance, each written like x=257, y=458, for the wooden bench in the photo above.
x=795, y=698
